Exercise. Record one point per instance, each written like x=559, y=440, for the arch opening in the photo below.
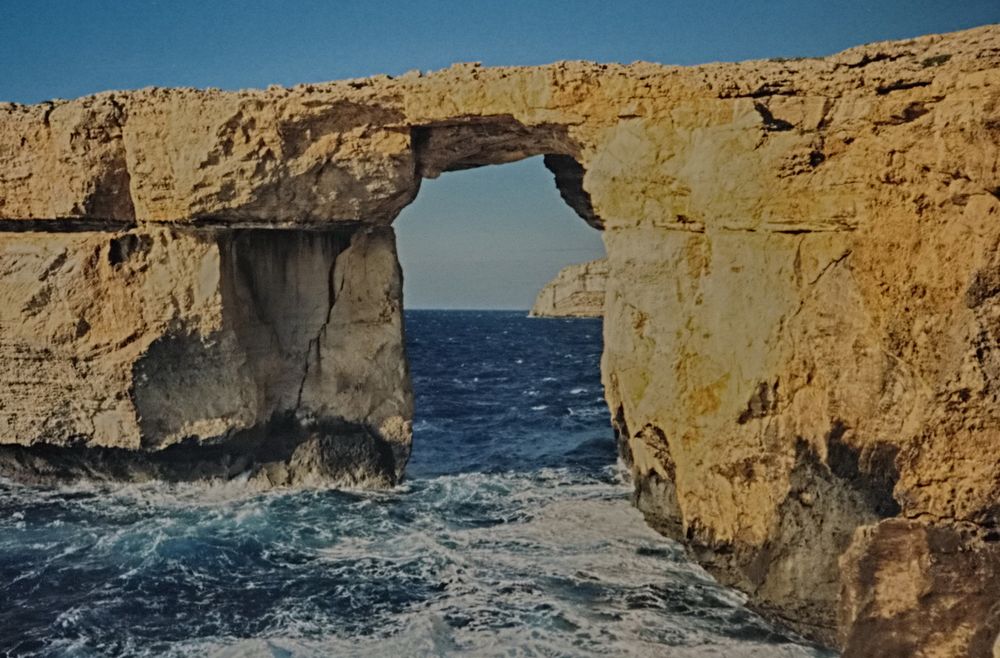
x=476, y=246
x=491, y=237
x=480, y=141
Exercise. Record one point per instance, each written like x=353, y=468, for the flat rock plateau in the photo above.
x=801, y=322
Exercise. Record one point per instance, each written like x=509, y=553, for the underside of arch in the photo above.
x=480, y=141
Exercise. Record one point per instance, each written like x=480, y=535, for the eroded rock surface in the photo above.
x=801, y=318
x=918, y=589
x=576, y=292
x=159, y=339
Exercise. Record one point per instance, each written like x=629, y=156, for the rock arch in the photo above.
x=800, y=329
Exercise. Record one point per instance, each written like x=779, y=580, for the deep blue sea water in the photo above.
x=513, y=535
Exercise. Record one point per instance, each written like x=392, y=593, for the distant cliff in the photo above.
x=576, y=292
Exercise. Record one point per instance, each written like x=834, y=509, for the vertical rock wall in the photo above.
x=146, y=344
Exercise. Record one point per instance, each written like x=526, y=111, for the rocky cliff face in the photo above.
x=576, y=292
x=801, y=320
x=165, y=352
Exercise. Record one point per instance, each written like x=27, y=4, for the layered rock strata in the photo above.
x=124, y=353
x=576, y=292
x=801, y=317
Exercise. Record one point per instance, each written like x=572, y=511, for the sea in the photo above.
x=512, y=535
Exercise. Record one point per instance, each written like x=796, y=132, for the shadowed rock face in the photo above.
x=157, y=338
x=801, y=314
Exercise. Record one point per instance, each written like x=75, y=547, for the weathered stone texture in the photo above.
x=576, y=292
x=801, y=317
x=914, y=589
x=149, y=338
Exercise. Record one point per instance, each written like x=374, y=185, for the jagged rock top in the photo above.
x=355, y=150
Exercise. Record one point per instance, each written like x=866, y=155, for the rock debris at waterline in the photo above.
x=800, y=322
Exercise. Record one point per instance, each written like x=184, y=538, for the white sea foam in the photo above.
x=518, y=539
x=571, y=580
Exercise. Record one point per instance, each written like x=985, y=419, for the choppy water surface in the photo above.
x=512, y=536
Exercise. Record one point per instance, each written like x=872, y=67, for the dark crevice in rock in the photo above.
x=877, y=57
x=773, y=90
x=620, y=428
x=872, y=472
x=912, y=112
x=936, y=60
x=830, y=228
x=314, y=343
x=65, y=225
x=656, y=439
x=901, y=85
x=225, y=223
x=763, y=91
x=569, y=181
x=273, y=278
x=770, y=122
x=98, y=224
x=120, y=249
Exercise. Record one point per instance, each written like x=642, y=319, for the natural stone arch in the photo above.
x=800, y=309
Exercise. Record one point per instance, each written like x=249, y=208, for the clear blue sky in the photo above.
x=63, y=49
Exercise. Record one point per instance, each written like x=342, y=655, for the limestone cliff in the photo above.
x=803, y=301
x=143, y=344
x=576, y=292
